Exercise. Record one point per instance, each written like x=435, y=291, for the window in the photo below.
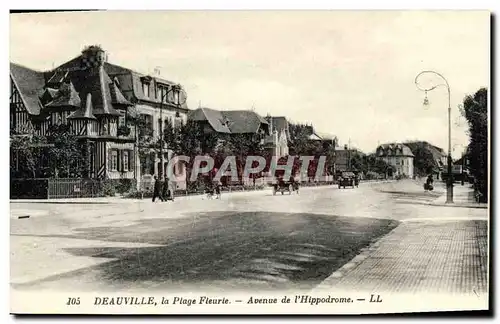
x=145, y=88
x=125, y=161
x=164, y=94
x=121, y=119
x=105, y=129
x=114, y=160
x=147, y=127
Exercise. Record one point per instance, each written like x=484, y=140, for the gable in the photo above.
x=30, y=85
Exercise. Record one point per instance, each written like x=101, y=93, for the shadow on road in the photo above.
x=231, y=250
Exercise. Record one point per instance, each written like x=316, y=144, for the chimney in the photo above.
x=94, y=56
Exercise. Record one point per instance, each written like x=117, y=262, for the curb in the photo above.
x=114, y=200
x=458, y=205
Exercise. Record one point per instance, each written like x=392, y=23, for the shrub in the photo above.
x=124, y=185
x=108, y=189
x=370, y=175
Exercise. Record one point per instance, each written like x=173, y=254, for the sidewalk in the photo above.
x=463, y=196
x=448, y=257
x=121, y=200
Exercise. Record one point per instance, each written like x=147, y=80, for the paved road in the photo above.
x=253, y=241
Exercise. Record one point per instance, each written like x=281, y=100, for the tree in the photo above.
x=358, y=163
x=302, y=145
x=67, y=155
x=300, y=142
x=476, y=113
x=241, y=146
x=26, y=154
x=59, y=154
x=423, y=161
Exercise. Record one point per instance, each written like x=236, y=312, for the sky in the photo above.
x=350, y=74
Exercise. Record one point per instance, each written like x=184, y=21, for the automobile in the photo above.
x=288, y=186
x=347, y=179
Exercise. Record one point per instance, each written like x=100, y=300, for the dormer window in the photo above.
x=145, y=89
x=162, y=92
x=146, y=81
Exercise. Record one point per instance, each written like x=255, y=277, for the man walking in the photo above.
x=157, y=190
x=168, y=190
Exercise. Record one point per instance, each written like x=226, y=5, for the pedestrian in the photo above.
x=428, y=184
x=218, y=190
x=157, y=189
x=166, y=192
x=171, y=189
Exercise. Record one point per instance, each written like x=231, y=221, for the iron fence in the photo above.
x=74, y=188
x=55, y=188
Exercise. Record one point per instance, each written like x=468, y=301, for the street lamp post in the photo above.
x=176, y=88
x=449, y=181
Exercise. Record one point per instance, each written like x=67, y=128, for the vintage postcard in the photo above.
x=249, y=162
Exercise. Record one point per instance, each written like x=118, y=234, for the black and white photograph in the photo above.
x=249, y=162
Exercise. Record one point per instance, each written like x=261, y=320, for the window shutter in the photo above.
x=120, y=160
x=130, y=160
x=110, y=159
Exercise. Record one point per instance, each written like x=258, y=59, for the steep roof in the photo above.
x=69, y=85
x=233, y=121
x=213, y=117
x=65, y=96
x=394, y=149
x=97, y=82
x=131, y=84
x=243, y=121
x=85, y=111
x=315, y=137
x=30, y=84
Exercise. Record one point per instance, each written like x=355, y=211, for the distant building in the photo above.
x=399, y=156
x=343, y=158
x=227, y=123
x=279, y=138
x=439, y=155
x=230, y=121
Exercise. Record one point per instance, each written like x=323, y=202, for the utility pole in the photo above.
x=160, y=169
x=349, y=155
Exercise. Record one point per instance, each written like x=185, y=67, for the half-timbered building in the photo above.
x=98, y=101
